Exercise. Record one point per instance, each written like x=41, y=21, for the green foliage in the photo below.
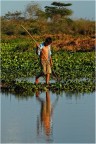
x=15, y=15
x=66, y=25
x=75, y=71
x=55, y=19
x=33, y=11
x=8, y=29
x=75, y=65
x=83, y=27
x=27, y=88
x=58, y=10
x=59, y=4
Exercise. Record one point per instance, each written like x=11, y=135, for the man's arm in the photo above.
x=38, y=49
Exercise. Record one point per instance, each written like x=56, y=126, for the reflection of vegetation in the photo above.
x=19, y=95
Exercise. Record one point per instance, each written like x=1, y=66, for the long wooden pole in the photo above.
x=29, y=33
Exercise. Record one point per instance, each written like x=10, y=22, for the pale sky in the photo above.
x=81, y=9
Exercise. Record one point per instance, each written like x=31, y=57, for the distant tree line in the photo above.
x=53, y=19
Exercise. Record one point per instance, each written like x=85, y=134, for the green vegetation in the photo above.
x=73, y=71
x=20, y=60
x=72, y=49
x=53, y=19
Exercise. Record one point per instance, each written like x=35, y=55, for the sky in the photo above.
x=81, y=8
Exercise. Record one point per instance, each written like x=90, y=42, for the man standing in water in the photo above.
x=44, y=51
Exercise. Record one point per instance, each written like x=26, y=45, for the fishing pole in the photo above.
x=37, y=45
x=29, y=34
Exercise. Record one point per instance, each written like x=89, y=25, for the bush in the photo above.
x=67, y=26
x=83, y=27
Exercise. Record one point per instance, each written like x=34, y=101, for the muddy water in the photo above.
x=48, y=118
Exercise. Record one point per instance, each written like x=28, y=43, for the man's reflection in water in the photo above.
x=45, y=114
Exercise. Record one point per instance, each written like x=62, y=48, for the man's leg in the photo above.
x=48, y=71
x=37, y=78
x=47, y=78
x=37, y=93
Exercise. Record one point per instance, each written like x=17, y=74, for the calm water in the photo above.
x=48, y=118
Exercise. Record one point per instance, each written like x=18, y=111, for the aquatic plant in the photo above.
x=18, y=59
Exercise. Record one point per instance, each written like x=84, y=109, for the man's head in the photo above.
x=48, y=41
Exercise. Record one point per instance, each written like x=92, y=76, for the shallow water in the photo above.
x=47, y=117
x=32, y=79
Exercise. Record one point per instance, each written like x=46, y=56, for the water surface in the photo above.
x=48, y=117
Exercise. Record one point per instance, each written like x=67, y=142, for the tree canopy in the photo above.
x=58, y=10
x=34, y=11
x=15, y=15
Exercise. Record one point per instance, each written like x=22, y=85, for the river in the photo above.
x=48, y=118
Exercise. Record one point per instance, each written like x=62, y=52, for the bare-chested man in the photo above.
x=44, y=51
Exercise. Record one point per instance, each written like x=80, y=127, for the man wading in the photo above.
x=44, y=51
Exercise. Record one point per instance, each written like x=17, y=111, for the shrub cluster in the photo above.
x=65, y=26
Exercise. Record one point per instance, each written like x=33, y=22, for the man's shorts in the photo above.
x=46, y=67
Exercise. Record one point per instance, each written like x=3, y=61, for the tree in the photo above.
x=33, y=11
x=58, y=10
x=16, y=15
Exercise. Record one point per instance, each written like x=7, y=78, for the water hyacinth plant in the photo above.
x=71, y=70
